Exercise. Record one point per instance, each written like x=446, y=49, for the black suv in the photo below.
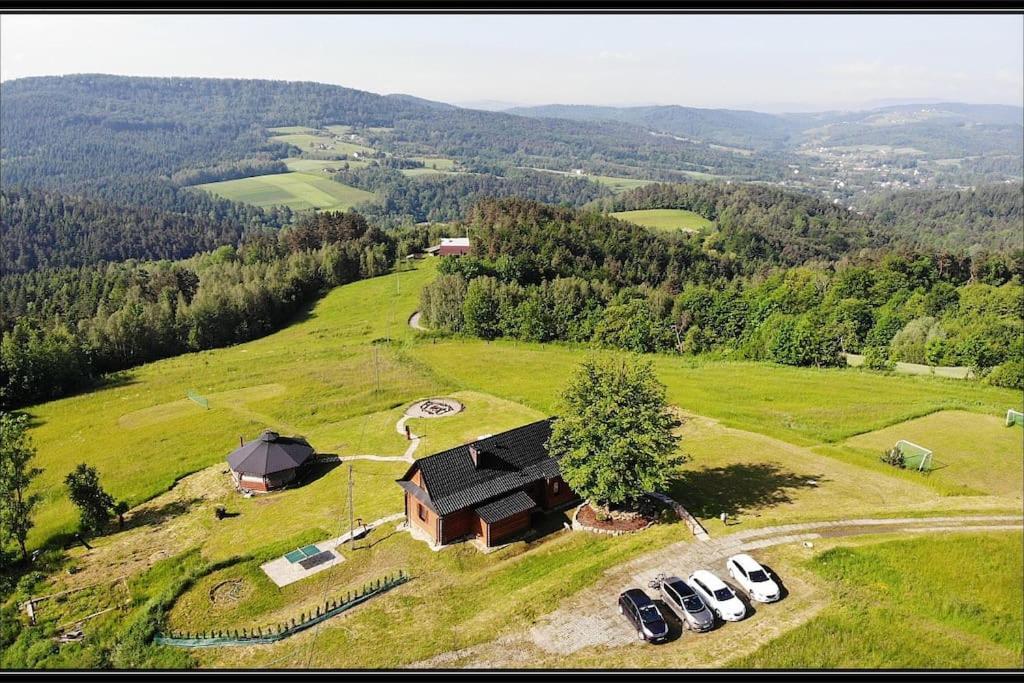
x=644, y=615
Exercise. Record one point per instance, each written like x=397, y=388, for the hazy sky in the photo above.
x=759, y=62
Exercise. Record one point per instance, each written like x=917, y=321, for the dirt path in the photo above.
x=590, y=619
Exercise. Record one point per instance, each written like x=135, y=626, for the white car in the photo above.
x=717, y=595
x=753, y=578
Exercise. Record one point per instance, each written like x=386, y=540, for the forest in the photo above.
x=65, y=328
x=546, y=274
x=110, y=258
x=448, y=198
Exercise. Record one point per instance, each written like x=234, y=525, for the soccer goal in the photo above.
x=914, y=456
x=1014, y=417
x=193, y=395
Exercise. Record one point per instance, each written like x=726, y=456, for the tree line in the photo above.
x=546, y=274
x=447, y=197
x=72, y=326
x=47, y=230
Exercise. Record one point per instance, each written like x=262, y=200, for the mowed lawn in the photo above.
x=458, y=597
x=804, y=406
x=933, y=602
x=977, y=452
x=761, y=481
x=295, y=190
x=142, y=433
x=667, y=220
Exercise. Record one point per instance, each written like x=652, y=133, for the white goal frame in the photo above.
x=1012, y=416
x=926, y=459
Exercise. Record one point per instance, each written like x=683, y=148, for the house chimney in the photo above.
x=474, y=454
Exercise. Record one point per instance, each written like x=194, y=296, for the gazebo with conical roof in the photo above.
x=269, y=462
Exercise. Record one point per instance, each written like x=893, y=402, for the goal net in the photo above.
x=914, y=457
x=1014, y=417
x=201, y=400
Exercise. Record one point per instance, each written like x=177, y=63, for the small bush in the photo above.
x=894, y=457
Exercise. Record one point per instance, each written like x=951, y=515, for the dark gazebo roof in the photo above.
x=270, y=453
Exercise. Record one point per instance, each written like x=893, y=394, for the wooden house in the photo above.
x=493, y=489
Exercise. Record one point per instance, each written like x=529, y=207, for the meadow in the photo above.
x=666, y=220
x=296, y=190
x=318, y=165
x=619, y=185
x=952, y=602
x=769, y=444
x=310, y=141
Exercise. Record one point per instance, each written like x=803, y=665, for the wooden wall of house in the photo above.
x=552, y=499
x=457, y=524
x=428, y=525
x=509, y=526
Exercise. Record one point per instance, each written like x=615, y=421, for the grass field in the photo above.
x=438, y=163
x=457, y=598
x=318, y=165
x=142, y=434
x=295, y=190
x=619, y=185
x=310, y=142
x=804, y=406
x=667, y=220
x=754, y=435
x=976, y=452
x=316, y=378
x=760, y=481
x=952, y=602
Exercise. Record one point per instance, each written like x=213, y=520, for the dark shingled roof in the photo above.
x=270, y=453
x=507, y=462
x=505, y=507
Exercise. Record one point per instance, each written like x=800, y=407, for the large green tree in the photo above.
x=615, y=437
x=94, y=504
x=16, y=504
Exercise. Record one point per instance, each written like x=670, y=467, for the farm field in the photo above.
x=295, y=190
x=619, y=185
x=335, y=378
x=438, y=163
x=318, y=165
x=310, y=141
x=666, y=220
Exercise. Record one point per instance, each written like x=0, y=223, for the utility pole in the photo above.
x=351, y=518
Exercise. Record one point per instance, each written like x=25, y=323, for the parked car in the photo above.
x=753, y=578
x=719, y=598
x=684, y=603
x=641, y=611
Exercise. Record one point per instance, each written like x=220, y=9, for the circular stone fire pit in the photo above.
x=434, y=407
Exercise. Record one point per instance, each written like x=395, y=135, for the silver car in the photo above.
x=684, y=603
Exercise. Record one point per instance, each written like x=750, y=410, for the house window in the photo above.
x=556, y=486
x=421, y=512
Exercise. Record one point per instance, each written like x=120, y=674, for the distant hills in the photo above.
x=937, y=130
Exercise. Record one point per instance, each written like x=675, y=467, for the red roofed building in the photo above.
x=454, y=246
